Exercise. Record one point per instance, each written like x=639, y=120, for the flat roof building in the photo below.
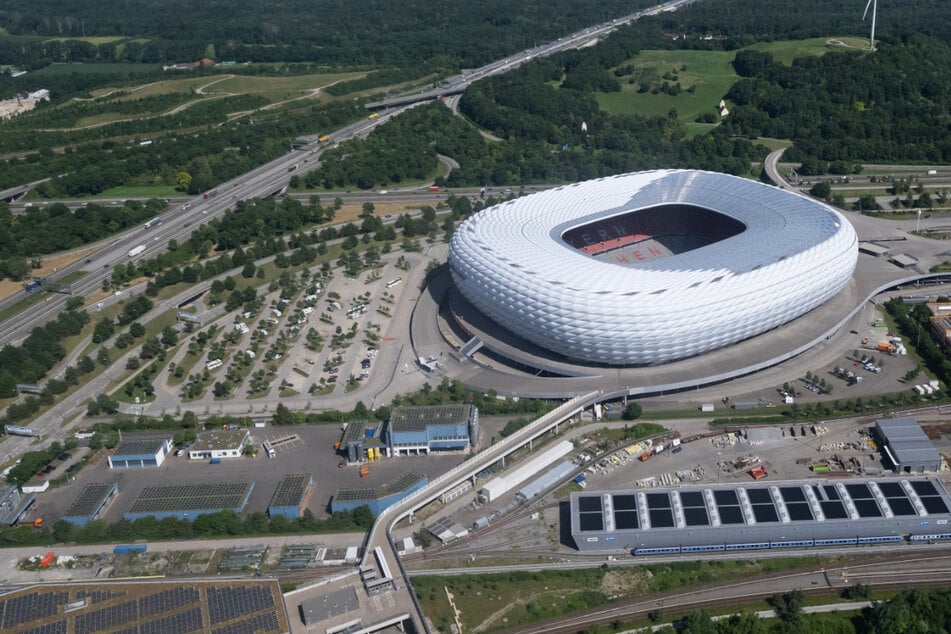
x=90, y=502
x=379, y=498
x=291, y=495
x=13, y=504
x=135, y=452
x=188, y=501
x=906, y=446
x=420, y=430
x=221, y=443
x=698, y=518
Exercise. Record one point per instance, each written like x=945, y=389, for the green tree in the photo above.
x=183, y=181
x=632, y=411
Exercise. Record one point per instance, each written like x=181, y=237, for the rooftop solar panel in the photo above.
x=725, y=497
x=833, y=510
x=793, y=494
x=867, y=508
x=658, y=500
x=901, y=506
x=624, y=502
x=696, y=516
x=934, y=504
x=692, y=498
x=765, y=513
x=589, y=503
x=831, y=492
x=892, y=490
x=591, y=522
x=661, y=518
x=924, y=487
x=858, y=491
x=731, y=515
x=799, y=511
x=625, y=519
x=759, y=496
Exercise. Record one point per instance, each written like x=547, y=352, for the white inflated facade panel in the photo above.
x=512, y=264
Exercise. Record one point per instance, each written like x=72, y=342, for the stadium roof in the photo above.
x=512, y=262
x=418, y=418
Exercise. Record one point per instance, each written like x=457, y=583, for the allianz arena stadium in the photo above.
x=651, y=267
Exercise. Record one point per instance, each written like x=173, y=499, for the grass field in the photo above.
x=275, y=89
x=95, y=39
x=710, y=71
x=786, y=51
x=145, y=191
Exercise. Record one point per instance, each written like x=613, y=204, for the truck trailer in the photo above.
x=136, y=250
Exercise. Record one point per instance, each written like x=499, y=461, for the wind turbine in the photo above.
x=874, y=5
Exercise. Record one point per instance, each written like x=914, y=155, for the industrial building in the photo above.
x=188, y=501
x=905, y=445
x=379, y=498
x=420, y=430
x=787, y=514
x=290, y=497
x=222, y=443
x=136, y=452
x=359, y=437
x=90, y=503
x=550, y=478
x=13, y=504
x=496, y=487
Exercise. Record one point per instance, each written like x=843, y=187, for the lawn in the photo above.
x=274, y=88
x=786, y=51
x=144, y=191
x=710, y=72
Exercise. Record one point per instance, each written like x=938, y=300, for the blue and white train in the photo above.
x=798, y=543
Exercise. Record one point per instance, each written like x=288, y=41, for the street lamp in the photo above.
x=918, y=224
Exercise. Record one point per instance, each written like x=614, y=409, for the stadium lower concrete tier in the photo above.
x=648, y=268
x=790, y=514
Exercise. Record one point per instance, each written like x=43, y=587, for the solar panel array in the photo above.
x=30, y=607
x=189, y=497
x=139, y=447
x=291, y=489
x=398, y=485
x=228, y=602
x=758, y=504
x=157, y=608
x=56, y=627
x=418, y=418
x=90, y=499
x=266, y=622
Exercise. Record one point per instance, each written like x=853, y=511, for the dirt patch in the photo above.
x=623, y=582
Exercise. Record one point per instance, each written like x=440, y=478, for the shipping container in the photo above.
x=128, y=549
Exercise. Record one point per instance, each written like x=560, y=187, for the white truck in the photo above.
x=136, y=250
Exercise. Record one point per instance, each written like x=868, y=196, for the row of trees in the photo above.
x=915, y=610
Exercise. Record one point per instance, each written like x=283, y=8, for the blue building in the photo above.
x=90, y=502
x=137, y=452
x=290, y=495
x=188, y=501
x=378, y=499
x=421, y=430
